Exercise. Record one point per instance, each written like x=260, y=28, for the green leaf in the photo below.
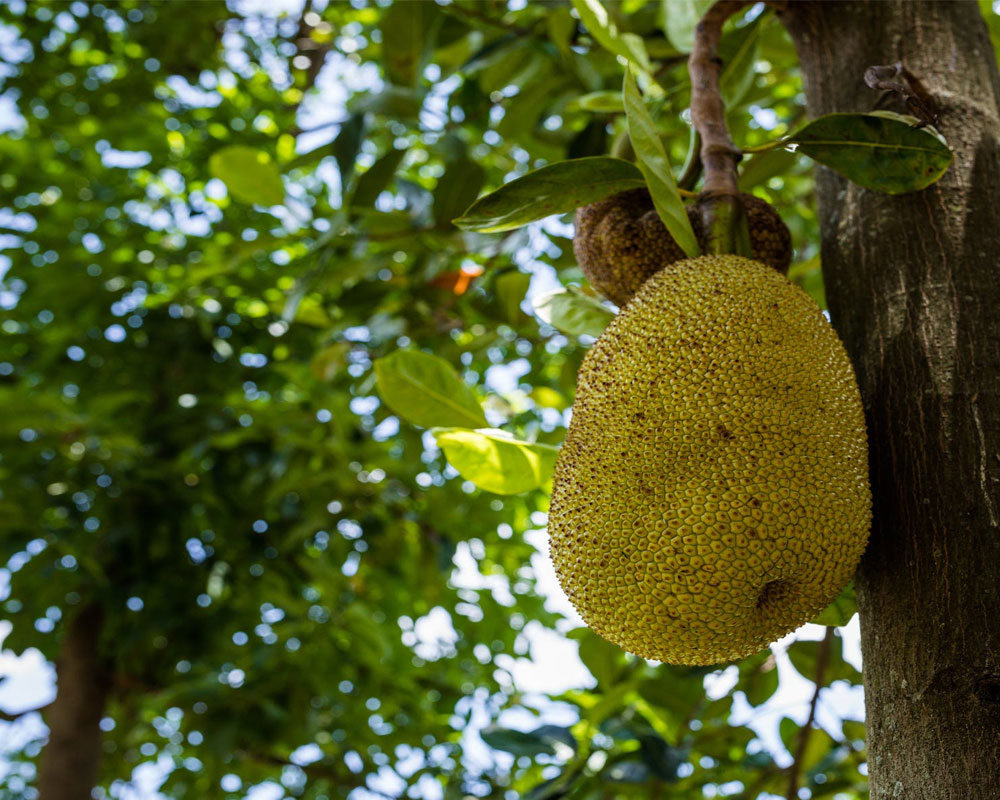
x=763, y=166
x=408, y=33
x=803, y=654
x=604, y=102
x=553, y=189
x=878, y=151
x=495, y=461
x=598, y=22
x=840, y=611
x=653, y=162
x=541, y=741
x=346, y=147
x=249, y=174
x=572, y=312
x=738, y=51
x=511, y=287
x=426, y=390
x=603, y=659
x=759, y=678
x=374, y=180
x=395, y=102
x=680, y=17
x=456, y=190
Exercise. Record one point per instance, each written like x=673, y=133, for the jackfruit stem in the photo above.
x=723, y=214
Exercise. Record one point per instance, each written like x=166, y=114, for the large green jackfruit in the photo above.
x=712, y=493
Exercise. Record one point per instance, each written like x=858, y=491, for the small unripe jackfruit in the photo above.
x=712, y=493
x=620, y=241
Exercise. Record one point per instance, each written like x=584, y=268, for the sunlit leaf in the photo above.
x=680, y=18
x=496, y=462
x=572, y=312
x=425, y=390
x=250, y=175
x=878, y=151
x=602, y=27
x=655, y=166
x=553, y=189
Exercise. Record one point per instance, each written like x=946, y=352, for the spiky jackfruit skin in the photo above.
x=712, y=493
x=620, y=241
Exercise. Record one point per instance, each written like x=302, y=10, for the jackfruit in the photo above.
x=620, y=241
x=712, y=493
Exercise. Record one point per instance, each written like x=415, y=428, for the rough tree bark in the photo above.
x=72, y=757
x=914, y=289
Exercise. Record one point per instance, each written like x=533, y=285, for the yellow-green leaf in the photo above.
x=496, y=462
x=598, y=22
x=250, y=175
x=426, y=390
x=572, y=312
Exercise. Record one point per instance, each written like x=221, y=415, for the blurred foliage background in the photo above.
x=214, y=218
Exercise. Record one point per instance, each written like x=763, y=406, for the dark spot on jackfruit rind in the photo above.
x=771, y=593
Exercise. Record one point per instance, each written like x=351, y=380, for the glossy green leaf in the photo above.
x=250, y=175
x=680, y=17
x=840, y=611
x=602, y=27
x=572, y=312
x=456, y=190
x=425, y=390
x=655, y=166
x=878, y=151
x=495, y=461
x=553, y=189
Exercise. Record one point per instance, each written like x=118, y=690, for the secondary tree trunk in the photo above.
x=72, y=757
x=913, y=284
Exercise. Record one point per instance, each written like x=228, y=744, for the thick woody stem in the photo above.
x=723, y=215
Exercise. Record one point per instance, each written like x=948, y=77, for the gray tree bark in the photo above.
x=913, y=284
x=72, y=757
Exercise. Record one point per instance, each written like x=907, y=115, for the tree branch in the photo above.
x=796, y=768
x=723, y=214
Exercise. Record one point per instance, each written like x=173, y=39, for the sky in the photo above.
x=28, y=681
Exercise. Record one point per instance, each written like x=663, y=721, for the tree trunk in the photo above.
x=71, y=759
x=913, y=284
